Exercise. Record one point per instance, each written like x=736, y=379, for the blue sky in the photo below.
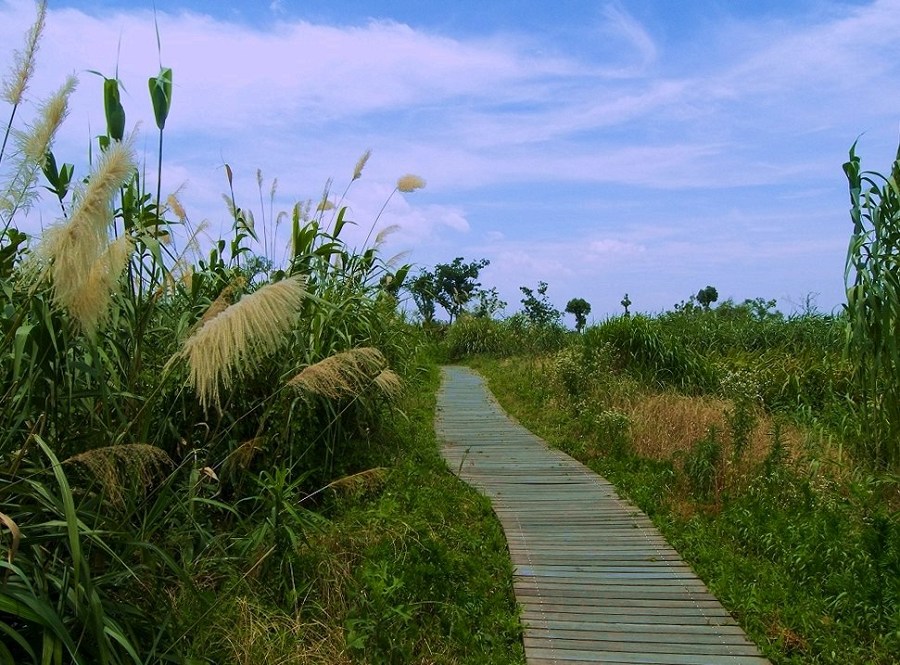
x=646, y=147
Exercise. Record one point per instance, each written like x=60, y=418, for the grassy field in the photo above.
x=759, y=485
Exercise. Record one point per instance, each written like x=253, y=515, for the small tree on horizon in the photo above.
x=537, y=308
x=579, y=308
x=707, y=296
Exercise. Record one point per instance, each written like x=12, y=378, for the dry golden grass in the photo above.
x=666, y=425
x=389, y=383
x=360, y=483
x=242, y=456
x=15, y=538
x=239, y=336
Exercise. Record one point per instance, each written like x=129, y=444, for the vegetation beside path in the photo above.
x=799, y=541
x=217, y=450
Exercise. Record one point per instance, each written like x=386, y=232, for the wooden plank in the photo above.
x=596, y=580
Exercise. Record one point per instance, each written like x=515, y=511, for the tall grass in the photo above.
x=153, y=455
x=872, y=276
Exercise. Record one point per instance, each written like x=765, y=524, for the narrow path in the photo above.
x=596, y=581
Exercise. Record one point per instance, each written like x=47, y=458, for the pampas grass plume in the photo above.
x=239, y=336
x=90, y=303
x=410, y=183
x=52, y=113
x=361, y=164
x=76, y=251
x=121, y=467
x=23, y=61
x=344, y=374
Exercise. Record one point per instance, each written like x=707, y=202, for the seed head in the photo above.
x=410, y=183
x=23, y=61
x=52, y=113
x=361, y=163
x=228, y=344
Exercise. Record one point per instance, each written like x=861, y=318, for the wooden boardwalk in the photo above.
x=596, y=581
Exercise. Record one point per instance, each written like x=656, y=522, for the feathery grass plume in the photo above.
x=225, y=299
x=344, y=374
x=176, y=207
x=23, y=61
x=397, y=258
x=90, y=304
x=19, y=192
x=122, y=467
x=71, y=250
x=410, y=183
x=389, y=383
x=384, y=233
x=361, y=164
x=325, y=204
x=36, y=142
x=251, y=328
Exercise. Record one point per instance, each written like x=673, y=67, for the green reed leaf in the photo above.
x=161, y=95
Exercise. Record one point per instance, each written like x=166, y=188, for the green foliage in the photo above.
x=707, y=296
x=536, y=307
x=451, y=285
x=135, y=513
x=702, y=466
x=422, y=289
x=579, y=308
x=872, y=276
x=474, y=335
x=808, y=565
x=641, y=346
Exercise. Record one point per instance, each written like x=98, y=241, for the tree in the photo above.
x=488, y=303
x=707, y=296
x=455, y=283
x=538, y=309
x=579, y=308
x=422, y=288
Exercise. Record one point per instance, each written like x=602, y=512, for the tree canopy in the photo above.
x=579, y=308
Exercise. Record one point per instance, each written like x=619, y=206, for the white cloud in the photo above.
x=765, y=107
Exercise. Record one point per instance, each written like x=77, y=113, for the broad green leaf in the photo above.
x=161, y=95
x=115, y=112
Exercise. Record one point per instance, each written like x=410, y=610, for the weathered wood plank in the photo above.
x=597, y=582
